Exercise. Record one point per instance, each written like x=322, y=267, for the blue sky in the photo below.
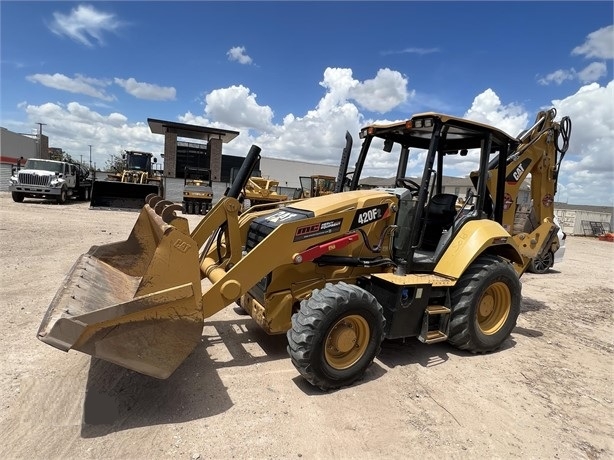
x=292, y=77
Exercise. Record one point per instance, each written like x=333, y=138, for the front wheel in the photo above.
x=485, y=305
x=336, y=335
x=63, y=196
x=17, y=197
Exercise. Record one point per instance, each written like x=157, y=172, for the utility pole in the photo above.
x=90, y=156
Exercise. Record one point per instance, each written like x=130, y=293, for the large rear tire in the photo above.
x=84, y=194
x=335, y=335
x=485, y=305
x=17, y=197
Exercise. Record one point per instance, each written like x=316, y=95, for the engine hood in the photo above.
x=336, y=202
x=36, y=172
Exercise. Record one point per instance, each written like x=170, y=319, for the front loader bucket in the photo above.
x=136, y=303
x=120, y=195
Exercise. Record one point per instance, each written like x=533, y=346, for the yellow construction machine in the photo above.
x=320, y=185
x=197, y=190
x=128, y=188
x=317, y=185
x=338, y=273
x=261, y=190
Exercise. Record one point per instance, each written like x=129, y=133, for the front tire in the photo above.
x=542, y=263
x=336, y=335
x=485, y=305
x=63, y=196
x=17, y=197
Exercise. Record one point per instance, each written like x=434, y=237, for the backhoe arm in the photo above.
x=538, y=155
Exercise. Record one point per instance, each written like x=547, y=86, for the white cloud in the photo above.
x=85, y=24
x=317, y=135
x=79, y=84
x=588, y=168
x=558, y=77
x=593, y=72
x=237, y=106
x=74, y=126
x=238, y=54
x=487, y=108
x=147, y=91
x=411, y=50
x=381, y=94
x=598, y=44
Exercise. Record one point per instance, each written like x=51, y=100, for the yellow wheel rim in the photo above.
x=494, y=308
x=346, y=342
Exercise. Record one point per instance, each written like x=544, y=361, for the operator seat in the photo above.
x=439, y=216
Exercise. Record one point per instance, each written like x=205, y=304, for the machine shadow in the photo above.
x=529, y=304
x=118, y=399
x=401, y=352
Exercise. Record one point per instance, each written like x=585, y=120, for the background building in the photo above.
x=17, y=148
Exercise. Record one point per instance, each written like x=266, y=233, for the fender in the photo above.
x=473, y=239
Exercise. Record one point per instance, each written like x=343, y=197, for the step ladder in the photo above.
x=435, y=324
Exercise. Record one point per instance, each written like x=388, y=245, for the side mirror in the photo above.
x=388, y=143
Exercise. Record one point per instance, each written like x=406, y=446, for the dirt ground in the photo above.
x=547, y=393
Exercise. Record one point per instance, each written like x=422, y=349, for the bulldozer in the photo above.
x=337, y=274
x=128, y=189
x=197, y=190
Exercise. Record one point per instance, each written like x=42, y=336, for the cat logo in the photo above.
x=518, y=172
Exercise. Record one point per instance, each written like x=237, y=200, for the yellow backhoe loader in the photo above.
x=129, y=188
x=337, y=274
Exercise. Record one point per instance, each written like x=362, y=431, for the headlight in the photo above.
x=13, y=180
x=56, y=182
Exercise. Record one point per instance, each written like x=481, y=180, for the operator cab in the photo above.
x=429, y=216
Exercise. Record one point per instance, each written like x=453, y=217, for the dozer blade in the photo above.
x=120, y=195
x=135, y=303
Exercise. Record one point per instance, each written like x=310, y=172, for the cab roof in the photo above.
x=457, y=133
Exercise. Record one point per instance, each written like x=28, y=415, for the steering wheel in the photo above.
x=409, y=184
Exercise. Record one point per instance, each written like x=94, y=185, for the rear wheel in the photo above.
x=485, y=305
x=542, y=263
x=336, y=335
x=190, y=207
x=17, y=197
x=84, y=194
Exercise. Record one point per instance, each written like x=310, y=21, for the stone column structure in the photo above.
x=170, y=154
x=215, y=159
x=44, y=147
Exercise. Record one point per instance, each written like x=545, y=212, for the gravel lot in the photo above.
x=547, y=393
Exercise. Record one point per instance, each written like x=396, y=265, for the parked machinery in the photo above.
x=261, y=190
x=128, y=188
x=197, y=191
x=337, y=273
